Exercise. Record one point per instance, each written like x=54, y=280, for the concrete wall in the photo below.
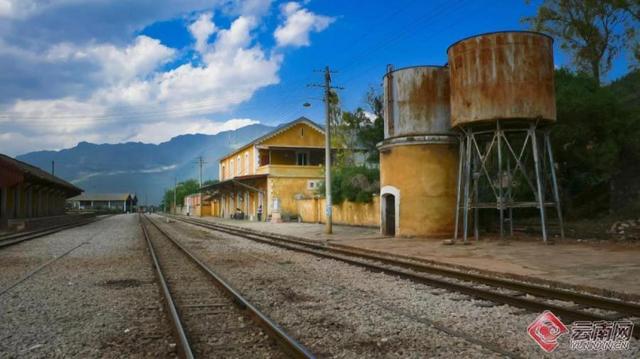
x=349, y=213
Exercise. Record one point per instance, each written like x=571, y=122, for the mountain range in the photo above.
x=141, y=168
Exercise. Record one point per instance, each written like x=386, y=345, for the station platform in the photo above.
x=600, y=267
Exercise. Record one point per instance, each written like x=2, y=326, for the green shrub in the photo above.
x=355, y=184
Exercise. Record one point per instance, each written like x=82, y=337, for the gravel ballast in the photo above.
x=339, y=310
x=99, y=300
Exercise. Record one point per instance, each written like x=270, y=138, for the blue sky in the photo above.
x=111, y=71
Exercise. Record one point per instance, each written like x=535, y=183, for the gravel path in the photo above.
x=339, y=310
x=100, y=300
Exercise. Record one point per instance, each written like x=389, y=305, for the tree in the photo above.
x=353, y=183
x=590, y=30
x=375, y=101
x=372, y=132
x=184, y=189
x=632, y=8
x=209, y=182
x=595, y=138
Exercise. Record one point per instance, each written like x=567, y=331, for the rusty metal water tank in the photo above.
x=419, y=154
x=502, y=76
x=416, y=101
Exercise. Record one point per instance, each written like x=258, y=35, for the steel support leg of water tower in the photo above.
x=459, y=187
x=476, y=178
x=540, y=193
x=500, y=180
x=467, y=179
x=554, y=182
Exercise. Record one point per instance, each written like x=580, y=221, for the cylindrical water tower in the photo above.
x=418, y=157
x=503, y=103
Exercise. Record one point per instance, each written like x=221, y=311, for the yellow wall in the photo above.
x=349, y=213
x=247, y=159
x=426, y=177
x=205, y=210
x=286, y=189
x=300, y=135
x=285, y=183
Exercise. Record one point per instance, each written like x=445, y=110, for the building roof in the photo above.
x=104, y=197
x=278, y=130
x=23, y=171
x=233, y=181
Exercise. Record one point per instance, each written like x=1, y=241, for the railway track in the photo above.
x=15, y=238
x=569, y=305
x=210, y=318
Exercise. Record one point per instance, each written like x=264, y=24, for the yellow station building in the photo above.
x=270, y=173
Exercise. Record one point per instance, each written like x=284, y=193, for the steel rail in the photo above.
x=178, y=328
x=290, y=345
x=407, y=270
x=15, y=238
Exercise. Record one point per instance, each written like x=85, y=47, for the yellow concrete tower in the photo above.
x=418, y=157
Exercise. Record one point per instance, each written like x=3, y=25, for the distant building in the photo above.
x=193, y=207
x=266, y=175
x=27, y=192
x=124, y=202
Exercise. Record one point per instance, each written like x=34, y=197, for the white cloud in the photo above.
x=249, y=7
x=299, y=23
x=138, y=100
x=138, y=59
x=201, y=30
x=66, y=115
x=117, y=64
x=19, y=8
x=6, y=8
x=66, y=85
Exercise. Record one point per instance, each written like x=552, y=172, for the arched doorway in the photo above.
x=389, y=215
x=389, y=211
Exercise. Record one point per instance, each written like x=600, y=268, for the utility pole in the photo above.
x=175, y=193
x=200, y=163
x=53, y=168
x=327, y=146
